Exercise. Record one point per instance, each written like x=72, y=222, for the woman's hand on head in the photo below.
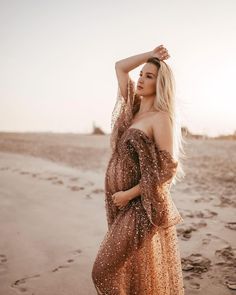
x=160, y=52
x=120, y=199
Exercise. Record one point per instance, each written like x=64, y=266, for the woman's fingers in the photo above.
x=161, y=52
x=165, y=56
x=164, y=53
x=119, y=203
x=114, y=201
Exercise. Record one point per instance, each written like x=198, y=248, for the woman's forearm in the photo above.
x=132, y=62
x=133, y=192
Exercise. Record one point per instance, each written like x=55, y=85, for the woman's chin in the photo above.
x=139, y=91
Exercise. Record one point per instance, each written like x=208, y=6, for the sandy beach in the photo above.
x=52, y=213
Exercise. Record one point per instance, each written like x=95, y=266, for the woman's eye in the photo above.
x=147, y=76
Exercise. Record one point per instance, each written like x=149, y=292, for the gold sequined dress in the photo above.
x=139, y=254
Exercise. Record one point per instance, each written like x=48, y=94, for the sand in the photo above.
x=52, y=213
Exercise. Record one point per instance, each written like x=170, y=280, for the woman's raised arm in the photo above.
x=124, y=66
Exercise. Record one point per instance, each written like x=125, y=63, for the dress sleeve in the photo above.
x=123, y=112
x=157, y=169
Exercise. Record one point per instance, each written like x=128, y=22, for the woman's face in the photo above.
x=146, y=85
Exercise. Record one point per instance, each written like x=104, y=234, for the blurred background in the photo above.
x=57, y=61
x=58, y=88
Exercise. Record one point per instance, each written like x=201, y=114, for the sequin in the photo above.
x=139, y=253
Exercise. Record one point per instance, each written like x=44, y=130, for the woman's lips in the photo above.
x=140, y=87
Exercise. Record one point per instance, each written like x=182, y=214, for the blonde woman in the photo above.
x=139, y=253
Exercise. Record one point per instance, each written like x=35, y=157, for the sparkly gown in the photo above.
x=139, y=254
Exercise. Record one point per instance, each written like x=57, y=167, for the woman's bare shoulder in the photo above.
x=162, y=131
x=160, y=117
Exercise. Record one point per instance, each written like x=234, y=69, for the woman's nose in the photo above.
x=140, y=81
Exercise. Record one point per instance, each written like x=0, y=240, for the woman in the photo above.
x=139, y=253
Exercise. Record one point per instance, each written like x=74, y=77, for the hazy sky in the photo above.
x=57, y=60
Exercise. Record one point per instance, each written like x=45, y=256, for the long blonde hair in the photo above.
x=165, y=101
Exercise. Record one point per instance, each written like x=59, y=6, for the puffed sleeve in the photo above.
x=157, y=169
x=123, y=112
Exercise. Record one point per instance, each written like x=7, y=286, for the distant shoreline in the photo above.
x=189, y=135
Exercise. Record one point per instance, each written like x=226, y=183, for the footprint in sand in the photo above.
x=59, y=267
x=231, y=225
x=63, y=266
x=206, y=241
x=205, y=213
x=3, y=258
x=58, y=182
x=24, y=172
x=196, y=263
x=226, y=202
x=88, y=197
x=185, y=231
x=78, y=251
x=4, y=168
x=34, y=174
x=187, y=213
x=3, y=261
x=19, y=284
x=70, y=260
x=74, y=179
x=55, y=180
x=230, y=282
x=212, y=238
x=50, y=178
x=227, y=262
x=194, y=285
x=75, y=187
x=203, y=199
x=200, y=214
x=189, y=280
x=228, y=254
x=97, y=191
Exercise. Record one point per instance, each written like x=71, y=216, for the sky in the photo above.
x=57, y=61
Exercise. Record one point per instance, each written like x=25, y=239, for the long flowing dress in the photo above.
x=139, y=254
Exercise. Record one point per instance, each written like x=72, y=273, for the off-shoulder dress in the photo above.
x=139, y=254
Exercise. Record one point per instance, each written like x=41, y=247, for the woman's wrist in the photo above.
x=133, y=192
x=132, y=62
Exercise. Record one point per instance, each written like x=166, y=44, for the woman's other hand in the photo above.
x=120, y=199
x=160, y=52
